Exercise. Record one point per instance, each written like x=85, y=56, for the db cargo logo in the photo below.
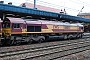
x=55, y=27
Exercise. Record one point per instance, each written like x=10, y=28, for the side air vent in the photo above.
x=33, y=28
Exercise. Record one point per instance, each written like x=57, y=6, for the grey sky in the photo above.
x=72, y=6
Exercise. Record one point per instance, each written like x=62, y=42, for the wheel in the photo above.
x=40, y=40
x=9, y=42
x=3, y=42
x=30, y=41
x=17, y=42
x=78, y=36
x=70, y=37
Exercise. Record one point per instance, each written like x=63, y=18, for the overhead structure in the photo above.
x=17, y=11
x=74, y=18
x=80, y=10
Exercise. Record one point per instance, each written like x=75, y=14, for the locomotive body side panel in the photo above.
x=19, y=26
x=59, y=27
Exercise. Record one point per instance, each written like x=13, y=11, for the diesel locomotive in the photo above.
x=18, y=30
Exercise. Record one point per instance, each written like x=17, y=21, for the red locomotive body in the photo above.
x=28, y=30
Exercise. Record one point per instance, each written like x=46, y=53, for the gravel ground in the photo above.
x=79, y=56
x=85, y=55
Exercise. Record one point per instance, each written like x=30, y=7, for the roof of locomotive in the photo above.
x=15, y=20
x=36, y=21
x=0, y=20
x=51, y=22
x=59, y=23
x=32, y=21
x=80, y=24
x=21, y=20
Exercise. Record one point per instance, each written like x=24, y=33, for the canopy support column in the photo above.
x=3, y=16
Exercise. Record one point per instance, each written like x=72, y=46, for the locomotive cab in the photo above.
x=6, y=28
x=6, y=32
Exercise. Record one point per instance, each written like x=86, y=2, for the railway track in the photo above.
x=47, y=52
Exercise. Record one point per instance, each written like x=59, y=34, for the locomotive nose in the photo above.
x=6, y=32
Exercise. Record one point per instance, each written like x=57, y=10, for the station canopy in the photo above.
x=18, y=11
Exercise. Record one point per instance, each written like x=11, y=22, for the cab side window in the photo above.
x=5, y=25
x=15, y=25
